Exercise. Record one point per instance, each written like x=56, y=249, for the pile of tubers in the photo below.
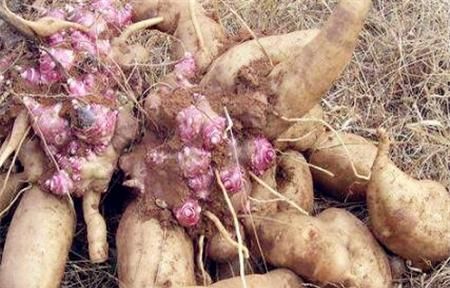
x=223, y=167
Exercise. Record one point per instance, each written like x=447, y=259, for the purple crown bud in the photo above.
x=60, y=183
x=262, y=155
x=213, y=132
x=193, y=161
x=201, y=184
x=190, y=121
x=232, y=179
x=188, y=214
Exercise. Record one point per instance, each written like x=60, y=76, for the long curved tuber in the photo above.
x=12, y=142
x=43, y=27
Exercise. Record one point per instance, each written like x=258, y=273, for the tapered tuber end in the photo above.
x=96, y=227
x=300, y=82
x=385, y=142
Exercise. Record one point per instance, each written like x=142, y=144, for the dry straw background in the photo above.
x=399, y=79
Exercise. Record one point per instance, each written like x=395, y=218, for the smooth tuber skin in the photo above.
x=151, y=254
x=38, y=241
x=280, y=278
x=329, y=154
x=331, y=248
x=410, y=217
x=96, y=227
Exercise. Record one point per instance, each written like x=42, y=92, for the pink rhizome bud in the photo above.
x=60, y=183
x=193, y=161
x=201, y=184
x=262, y=155
x=188, y=214
x=47, y=123
x=186, y=67
x=190, y=121
x=213, y=132
x=232, y=179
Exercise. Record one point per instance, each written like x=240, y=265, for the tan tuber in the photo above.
x=151, y=254
x=410, y=217
x=280, y=278
x=40, y=234
x=334, y=155
x=331, y=248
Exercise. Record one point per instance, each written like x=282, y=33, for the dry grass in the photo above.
x=399, y=79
